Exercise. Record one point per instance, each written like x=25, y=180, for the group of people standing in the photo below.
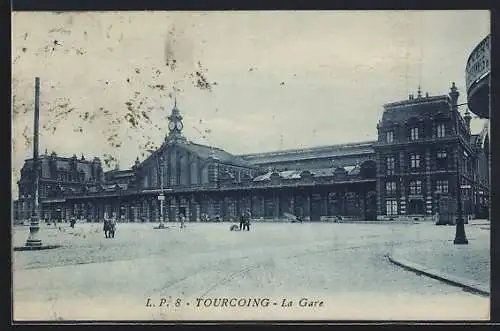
x=245, y=220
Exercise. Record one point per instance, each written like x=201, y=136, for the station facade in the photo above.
x=402, y=174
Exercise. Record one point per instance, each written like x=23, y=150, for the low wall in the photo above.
x=407, y=218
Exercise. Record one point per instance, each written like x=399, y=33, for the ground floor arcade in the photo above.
x=312, y=203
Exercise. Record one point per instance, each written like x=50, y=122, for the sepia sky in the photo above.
x=278, y=79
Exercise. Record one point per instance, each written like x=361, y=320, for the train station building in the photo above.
x=424, y=148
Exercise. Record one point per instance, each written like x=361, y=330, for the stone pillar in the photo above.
x=291, y=204
x=188, y=209
x=102, y=210
x=343, y=198
x=198, y=211
x=307, y=207
x=256, y=212
x=137, y=210
x=237, y=203
x=276, y=205
x=262, y=203
x=144, y=210
x=173, y=210
x=218, y=205
x=364, y=205
x=155, y=209
x=194, y=210
x=324, y=207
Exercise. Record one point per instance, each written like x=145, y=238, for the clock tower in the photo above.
x=175, y=125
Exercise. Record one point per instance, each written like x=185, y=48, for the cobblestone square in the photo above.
x=342, y=265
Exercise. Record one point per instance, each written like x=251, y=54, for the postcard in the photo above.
x=250, y=165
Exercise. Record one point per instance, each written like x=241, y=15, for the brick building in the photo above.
x=59, y=177
x=424, y=146
x=403, y=173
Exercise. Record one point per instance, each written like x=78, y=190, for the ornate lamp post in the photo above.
x=460, y=237
x=33, y=240
x=161, y=196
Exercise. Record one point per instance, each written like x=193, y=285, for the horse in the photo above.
x=109, y=228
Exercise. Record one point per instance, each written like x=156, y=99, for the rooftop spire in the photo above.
x=175, y=124
x=419, y=92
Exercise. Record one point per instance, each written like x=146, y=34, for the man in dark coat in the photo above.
x=246, y=220
x=242, y=220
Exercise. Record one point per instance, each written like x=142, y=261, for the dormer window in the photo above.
x=389, y=137
x=414, y=133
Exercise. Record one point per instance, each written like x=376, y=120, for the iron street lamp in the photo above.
x=161, y=197
x=460, y=237
x=33, y=240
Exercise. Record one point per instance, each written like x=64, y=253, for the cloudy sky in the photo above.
x=270, y=80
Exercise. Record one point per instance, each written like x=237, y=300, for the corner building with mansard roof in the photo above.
x=428, y=160
x=398, y=176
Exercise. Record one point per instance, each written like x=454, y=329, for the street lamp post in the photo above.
x=161, y=196
x=460, y=237
x=33, y=240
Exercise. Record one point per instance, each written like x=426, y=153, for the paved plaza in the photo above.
x=341, y=270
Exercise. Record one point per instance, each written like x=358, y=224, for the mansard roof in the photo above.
x=62, y=163
x=418, y=101
x=401, y=111
x=364, y=147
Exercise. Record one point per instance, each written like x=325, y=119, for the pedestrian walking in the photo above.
x=182, y=219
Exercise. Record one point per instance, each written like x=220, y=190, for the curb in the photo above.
x=466, y=284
